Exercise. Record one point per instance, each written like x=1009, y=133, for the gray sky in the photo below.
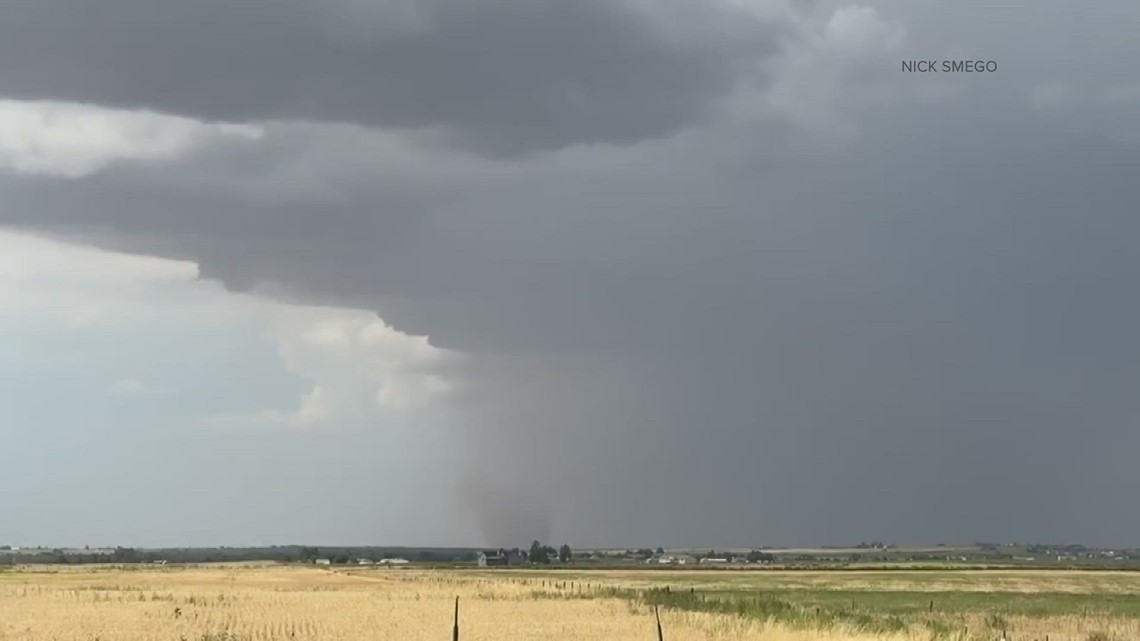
x=613, y=273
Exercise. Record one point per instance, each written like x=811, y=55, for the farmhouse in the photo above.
x=323, y=562
x=501, y=557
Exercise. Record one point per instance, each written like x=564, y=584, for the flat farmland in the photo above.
x=305, y=603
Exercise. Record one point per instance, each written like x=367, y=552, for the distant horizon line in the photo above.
x=5, y=547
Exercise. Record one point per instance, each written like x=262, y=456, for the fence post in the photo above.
x=656, y=615
x=455, y=628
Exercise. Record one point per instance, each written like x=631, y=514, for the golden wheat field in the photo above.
x=982, y=580
x=298, y=603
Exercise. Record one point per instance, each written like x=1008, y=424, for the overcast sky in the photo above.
x=604, y=272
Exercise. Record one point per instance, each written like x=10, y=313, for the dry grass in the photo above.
x=1023, y=581
x=229, y=603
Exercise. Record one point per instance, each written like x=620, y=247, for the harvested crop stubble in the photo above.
x=227, y=603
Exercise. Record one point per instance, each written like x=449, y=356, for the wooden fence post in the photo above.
x=455, y=628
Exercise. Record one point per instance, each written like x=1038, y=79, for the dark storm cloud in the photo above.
x=745, y=335
x=502, y=76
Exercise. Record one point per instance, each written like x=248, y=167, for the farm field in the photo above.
x=305, y=603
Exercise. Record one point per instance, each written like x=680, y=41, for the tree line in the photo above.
x=544, y=554
x=280, y=554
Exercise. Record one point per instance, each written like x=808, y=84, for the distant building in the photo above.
x=501, y=557
x=392, y=562
x=323, y=562
x=491, y=558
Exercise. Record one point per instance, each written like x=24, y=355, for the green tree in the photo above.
x=564, y=554
x=756, y=556
x=125, y=555
x=538, y=553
